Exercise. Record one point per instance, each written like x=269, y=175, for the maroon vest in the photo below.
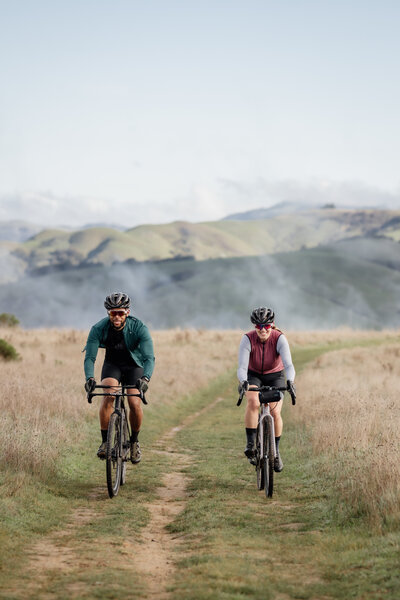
x=263, y=355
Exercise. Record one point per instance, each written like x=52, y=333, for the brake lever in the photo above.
x=239, y=402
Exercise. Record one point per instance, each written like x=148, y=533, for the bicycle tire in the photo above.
x=268, y=460
x=113, y=455
x=123, y=473
x=125, y=449
x=259, y=463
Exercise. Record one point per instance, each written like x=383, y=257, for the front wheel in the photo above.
x=259, y=463
x=268, y=459
x=125, y=449
x=113, y=455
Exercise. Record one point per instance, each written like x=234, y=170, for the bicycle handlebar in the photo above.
x=265, y=388
x=121, y=393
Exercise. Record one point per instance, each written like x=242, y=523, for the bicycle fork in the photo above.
x=120, y=450
x=266, y=420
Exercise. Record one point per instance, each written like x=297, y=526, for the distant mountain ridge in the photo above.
x=288, y=207
x=281, y=208
x=63, y=249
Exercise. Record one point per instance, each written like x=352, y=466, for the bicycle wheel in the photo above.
x=268, y=459
x=125, y=449
x=113, y=455
x=259, y=463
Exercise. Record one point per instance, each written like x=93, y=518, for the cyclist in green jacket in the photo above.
x=129, y=361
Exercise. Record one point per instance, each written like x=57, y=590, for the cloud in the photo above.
x=48, y=209
x=202, y=202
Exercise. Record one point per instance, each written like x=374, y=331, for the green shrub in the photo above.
x=7, y=351
x=8, y=320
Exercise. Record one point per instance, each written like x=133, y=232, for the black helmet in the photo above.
x=262, y=316
x=117, y=300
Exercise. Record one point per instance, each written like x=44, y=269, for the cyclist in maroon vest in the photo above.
x=264, y=359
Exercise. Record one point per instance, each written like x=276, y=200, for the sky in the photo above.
x=126, y=112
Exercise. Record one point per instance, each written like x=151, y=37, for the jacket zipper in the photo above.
x=262, y=362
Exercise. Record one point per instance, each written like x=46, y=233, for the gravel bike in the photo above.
x=265, y=452
x=118, y=450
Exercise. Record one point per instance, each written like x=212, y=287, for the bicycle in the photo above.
x=265, y=438
x=118, y=450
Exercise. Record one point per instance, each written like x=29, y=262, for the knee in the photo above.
x=135, y=403
x=276, y=412
x=107, y=401
x=252, y=403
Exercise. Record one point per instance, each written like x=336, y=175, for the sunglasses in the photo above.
x=117, y=313
x=261, y=326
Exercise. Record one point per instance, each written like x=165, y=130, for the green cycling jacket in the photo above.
x=137, y=339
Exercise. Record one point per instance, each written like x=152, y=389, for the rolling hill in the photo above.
x=355, y=282
x=60, y=249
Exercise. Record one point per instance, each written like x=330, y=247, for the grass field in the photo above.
x=190, y=522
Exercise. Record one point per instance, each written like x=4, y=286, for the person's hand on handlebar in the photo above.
x=142, y=384
x=90, y=385
x=292, y=390
x=243, y=387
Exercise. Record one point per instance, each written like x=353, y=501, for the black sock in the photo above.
x=251, y=436
x=277, y=443
x=104, y=434
x=134, y=436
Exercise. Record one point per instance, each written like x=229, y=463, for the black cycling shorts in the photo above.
x=125, y=374
x=272, y=379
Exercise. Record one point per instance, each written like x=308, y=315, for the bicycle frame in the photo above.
x=118, y=437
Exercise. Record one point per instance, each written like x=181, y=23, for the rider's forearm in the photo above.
x=283, y=349
x=147, y=351
x=92, y=347
x=244, y=357
x=89, y=367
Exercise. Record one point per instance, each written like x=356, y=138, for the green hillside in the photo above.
x=202, y=241
x=355, y=282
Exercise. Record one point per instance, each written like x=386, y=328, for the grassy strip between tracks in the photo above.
x=236, y=542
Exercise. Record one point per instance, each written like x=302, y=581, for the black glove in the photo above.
x=243, y=387
x=142, y=384
x=292, y=390
x=90, y=385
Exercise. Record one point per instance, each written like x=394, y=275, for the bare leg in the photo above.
x=276, y=408
x=251, y=414
x=107, y=404
x=136, y=410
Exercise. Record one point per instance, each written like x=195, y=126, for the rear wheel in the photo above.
x=259, y=463
x=268, y=459
x=113, y=455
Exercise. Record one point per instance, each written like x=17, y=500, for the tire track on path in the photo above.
x=155, y=559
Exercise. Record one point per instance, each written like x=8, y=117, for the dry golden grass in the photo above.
x=350, y=399
x=43, y=399
x=339, y=335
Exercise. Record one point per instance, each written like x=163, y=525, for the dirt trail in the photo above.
x=153, y=556
x=156, y=556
